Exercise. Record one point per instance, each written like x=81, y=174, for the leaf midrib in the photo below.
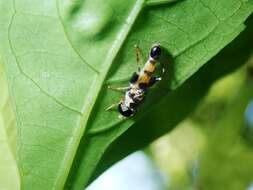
x=73, y=143
x=93, y=95
x=24, y=73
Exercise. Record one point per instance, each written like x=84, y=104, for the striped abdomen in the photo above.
x=147, y=71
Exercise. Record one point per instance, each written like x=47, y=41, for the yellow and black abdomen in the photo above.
x=147, y=71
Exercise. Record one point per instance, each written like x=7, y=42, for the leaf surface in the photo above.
x=195, y=45
x=159, y=2
x=61, y=55
x=9, y=175
x=179, y=104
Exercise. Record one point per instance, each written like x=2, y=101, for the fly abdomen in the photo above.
x=150, y=66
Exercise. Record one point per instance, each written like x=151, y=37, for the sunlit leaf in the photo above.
x=61, y=55
x=9, y=175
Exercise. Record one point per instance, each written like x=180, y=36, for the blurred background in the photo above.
x=211, y=149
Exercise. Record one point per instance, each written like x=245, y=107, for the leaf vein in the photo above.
x=70, y=42
x=27, y=76
x=125, y=79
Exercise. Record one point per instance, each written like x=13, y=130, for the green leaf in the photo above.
x=161, y=118
x=56, y=76
x=159, y=2
x=61, y=55
x=9, y=175
x=205, y=43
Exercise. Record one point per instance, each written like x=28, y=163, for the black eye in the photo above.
x=133, y=105
x=125, y=111
x=155, y=51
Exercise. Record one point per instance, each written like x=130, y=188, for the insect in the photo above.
x=139, y=83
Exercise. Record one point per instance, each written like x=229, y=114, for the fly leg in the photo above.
x=112, y=106
x=118, y=89
x=153, y=80
x=138, y=57
x=163, y=68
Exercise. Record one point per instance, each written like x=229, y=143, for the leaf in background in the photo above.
x=9, y=175
x=223, y=124
x=212, y=135
x=58, y=54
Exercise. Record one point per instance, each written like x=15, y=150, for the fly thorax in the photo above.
x=135, y=95
x=139, y=95
x=128, y=99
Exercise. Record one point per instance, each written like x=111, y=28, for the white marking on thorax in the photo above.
x=137, y=94
x=128, y=100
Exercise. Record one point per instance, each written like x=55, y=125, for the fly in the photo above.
x=138, y=84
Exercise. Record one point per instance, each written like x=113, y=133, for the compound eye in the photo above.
x=133, y=105
x=155, y=51
x=125, y=111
